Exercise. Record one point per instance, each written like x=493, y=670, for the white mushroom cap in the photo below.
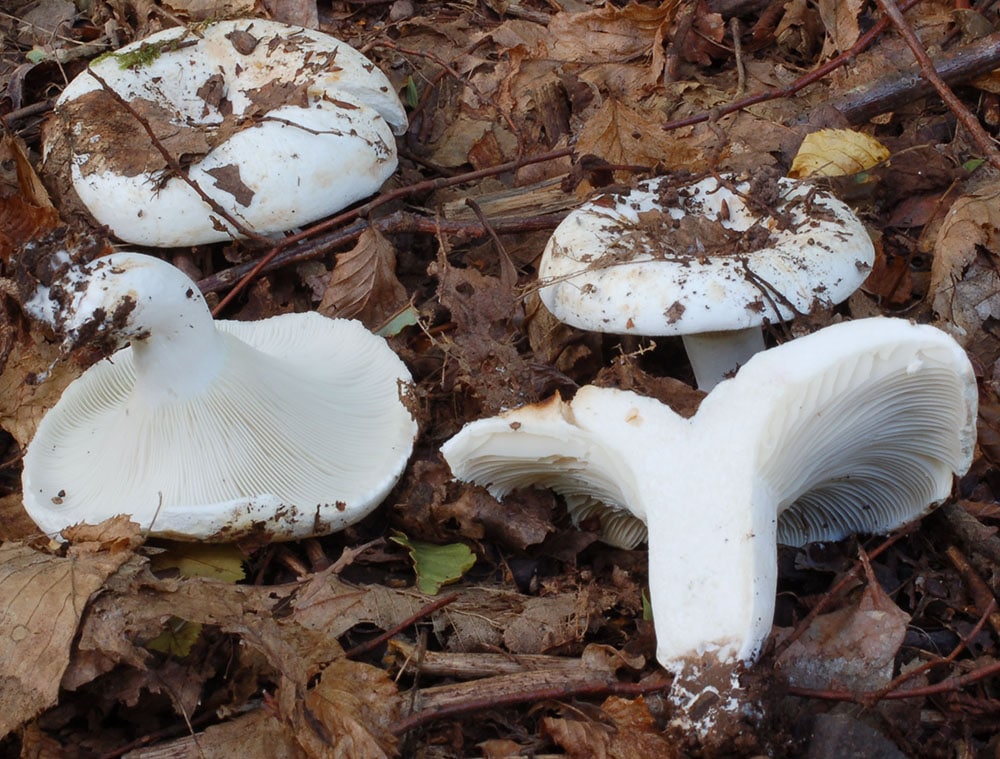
x=695, y=259
x=294, y=128
x=288, y=427
x=856, y=428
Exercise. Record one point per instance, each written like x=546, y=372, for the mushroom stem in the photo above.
x=714, y=355
x=176, y=348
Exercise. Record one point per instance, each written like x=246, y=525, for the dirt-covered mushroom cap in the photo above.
x=707, y=260
x=278, y=125
x=214, y=430
x=857, y=428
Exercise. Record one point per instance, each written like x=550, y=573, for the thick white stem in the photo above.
x=712, y=557
x=713, y=355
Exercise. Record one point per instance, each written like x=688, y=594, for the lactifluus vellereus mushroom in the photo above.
x=857, y=428
x=172, y=138
x=213, y=430
x=709, y=260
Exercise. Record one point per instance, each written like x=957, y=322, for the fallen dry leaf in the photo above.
x=836, y=153
x=853, y=648
x=965, y=287
x=622, y=729
x=44, y=598
x=622, y=135
x=363, y=284
x=348, y=712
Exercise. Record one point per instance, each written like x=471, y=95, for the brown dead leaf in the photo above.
x=44, y=598
x=348, y=713
x=255, y=734
x=840, y=17
x=853, y=648
x=622, y=135
x=201, y=10
x=965, y=287
x=363, y=284
x=25, y=208
x=623, y=729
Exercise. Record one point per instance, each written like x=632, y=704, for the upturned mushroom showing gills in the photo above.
x=857, y=428
x=709, y=261
x=288, y=427
x=194, y=136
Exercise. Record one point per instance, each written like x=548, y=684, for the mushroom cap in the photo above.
x=293, y=426
x=663, y=259
x=293, y=128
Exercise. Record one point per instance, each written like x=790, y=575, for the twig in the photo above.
x=497, y=691
x=892, y=92
x=424, y=612
x=972, y=126
x=399, y=222
x=776, y=93
x=365, y=209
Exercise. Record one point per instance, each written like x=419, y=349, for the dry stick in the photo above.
x=584, y=687
x=172, y=163
x=399, y=222
x=892, y=92
x=965, y=118
x=363, y=210
x=424, y=612
x=777, y=93
x=981, y=594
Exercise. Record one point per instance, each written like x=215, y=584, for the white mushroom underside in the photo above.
x=292, y=439
x=599, y=273
x=857, y=428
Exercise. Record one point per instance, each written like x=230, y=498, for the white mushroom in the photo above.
x=703, y=261
x=278, y=125
x=287, y=427
x=856, y=428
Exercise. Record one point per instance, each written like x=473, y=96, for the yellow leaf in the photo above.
x=836, y=153
x=216, y=561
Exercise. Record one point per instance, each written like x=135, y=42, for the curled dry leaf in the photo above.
x=363, y=284
x=25, y=208
x=352, y=705
x=44, y=598
x=836, y=153
x=965, y=287
x=623, y=729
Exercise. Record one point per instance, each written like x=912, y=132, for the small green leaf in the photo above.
x=177, y=638
x=410, y=94
x=403, y=319
x=647, y=607
x=436, y=565
x=973, y=163
x=216, y=561
x=36, y=55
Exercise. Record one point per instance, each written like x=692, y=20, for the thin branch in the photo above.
x=365, y=209
x=776, y=93
x=971, y=124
